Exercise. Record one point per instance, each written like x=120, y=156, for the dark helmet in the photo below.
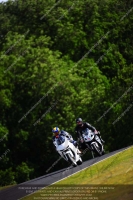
x=79, y=121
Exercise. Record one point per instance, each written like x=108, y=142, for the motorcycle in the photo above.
x=67, y=150
x=93, y=142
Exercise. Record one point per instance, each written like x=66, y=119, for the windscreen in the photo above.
x=86, y=131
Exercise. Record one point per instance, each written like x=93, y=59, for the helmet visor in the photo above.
x=79, y=123
x=56, y=133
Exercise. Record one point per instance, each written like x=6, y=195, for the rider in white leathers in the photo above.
x=56, y=133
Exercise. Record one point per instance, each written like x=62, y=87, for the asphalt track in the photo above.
x=21, y=190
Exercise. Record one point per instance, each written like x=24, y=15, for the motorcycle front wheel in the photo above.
x=71, y=160
x=97, y=149
x=79, y=162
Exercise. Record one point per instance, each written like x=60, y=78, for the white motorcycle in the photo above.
x=93, y=142
x=67, y=150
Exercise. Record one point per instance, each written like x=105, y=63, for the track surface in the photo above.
x=19, y=191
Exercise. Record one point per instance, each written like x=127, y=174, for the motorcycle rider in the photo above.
x=80, y=127
x=57, y=132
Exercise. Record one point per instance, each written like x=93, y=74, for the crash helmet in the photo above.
x=56, y=131
x=79, y=122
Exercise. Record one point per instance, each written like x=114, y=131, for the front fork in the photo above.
x=64, y=154
x=99, y=142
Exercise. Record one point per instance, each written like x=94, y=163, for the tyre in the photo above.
x=79, y=162
x=97, y=150
x=71, y=160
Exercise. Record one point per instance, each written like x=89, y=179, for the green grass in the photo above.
x=111, y=179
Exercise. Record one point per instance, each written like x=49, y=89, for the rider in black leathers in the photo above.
x=82, y=126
